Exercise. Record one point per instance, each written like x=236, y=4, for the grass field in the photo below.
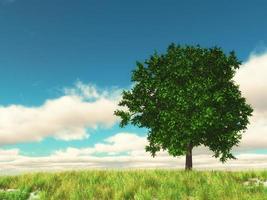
x=135, y=184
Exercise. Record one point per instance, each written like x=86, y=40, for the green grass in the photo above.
x=17, y=195
x=136, y=184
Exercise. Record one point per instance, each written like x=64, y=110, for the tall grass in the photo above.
x=139, y=184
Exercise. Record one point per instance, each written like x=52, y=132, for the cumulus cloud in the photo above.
x=256, y=135
x=252, y=80
x=119, y=143
x=253, y=83
x=18, y=163
x=134, y=156
x=134, y=145
x=66, y=118
x=87, y=91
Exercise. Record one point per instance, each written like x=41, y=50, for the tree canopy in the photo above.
x=186, y=98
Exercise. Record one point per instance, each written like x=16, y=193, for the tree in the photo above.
x=186, y=98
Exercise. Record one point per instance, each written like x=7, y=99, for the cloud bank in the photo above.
x=65, y=118
x=134, y=156
x=253, y=84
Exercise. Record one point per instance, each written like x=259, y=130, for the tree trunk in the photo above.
x=188, y=161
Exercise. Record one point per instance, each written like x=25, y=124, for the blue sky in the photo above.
x=52, y=48
x=49, y=44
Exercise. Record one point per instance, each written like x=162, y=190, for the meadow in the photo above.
x=135, y=184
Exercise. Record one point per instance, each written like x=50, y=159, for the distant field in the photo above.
x=136, y=184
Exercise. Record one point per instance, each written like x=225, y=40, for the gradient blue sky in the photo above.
x=48, y=45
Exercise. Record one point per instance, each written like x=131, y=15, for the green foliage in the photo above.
x=16, y=195
x=187, y=96
x=137, y=184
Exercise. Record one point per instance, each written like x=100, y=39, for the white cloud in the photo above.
x=122, y=142
x=88, y=91
x=65, y=118
x=119, y=143
x=134, y=145
x=253, y=83
x=256, y=135
x=18, y=163
x=84, y=158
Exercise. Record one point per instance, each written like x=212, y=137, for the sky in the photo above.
x=64, y=64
